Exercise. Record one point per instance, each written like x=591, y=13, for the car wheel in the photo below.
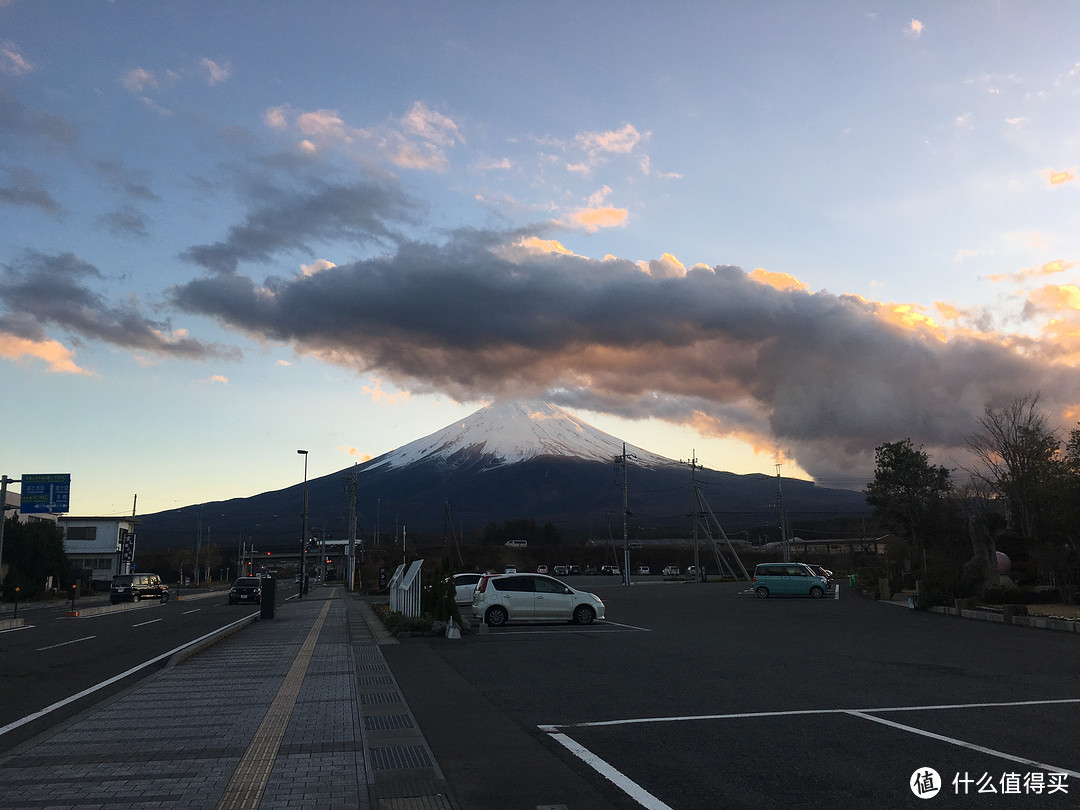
x=135, y=597
x=583, y=614
x=496, y=616
x=762, y=592
x=164, y=597
x=817, y=592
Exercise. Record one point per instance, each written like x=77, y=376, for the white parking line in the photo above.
x=962, y=744
x=619, y=779
x=797, y=712
x=646, y=799
x=64, y=643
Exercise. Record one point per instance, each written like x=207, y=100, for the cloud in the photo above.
x=1060, y=178
x=621, y=141
x=59, y=358
x=215, y=73
x=125, y=221
x=352, y=451
x=820, y=378
x=25, y=187
x=593, y=219
x=41, y=290
x=12, y=62
x=1049, y=269
x=914, y=28
x=41, y=129
x=289, y=220
x=217, y=378
x=419, y=140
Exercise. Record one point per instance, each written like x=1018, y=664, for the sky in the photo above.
x=758, y=234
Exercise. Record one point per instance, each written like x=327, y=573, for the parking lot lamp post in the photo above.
x=303, y=528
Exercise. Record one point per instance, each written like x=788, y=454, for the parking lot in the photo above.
x=695, y=696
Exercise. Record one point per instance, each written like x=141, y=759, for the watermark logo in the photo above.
x=925, y=783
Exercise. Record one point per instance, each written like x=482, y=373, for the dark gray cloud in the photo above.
x=125, y=221
x=27, y=187
x=292, y=220
x=823, y=377
x=20, y=122
x=40, y=290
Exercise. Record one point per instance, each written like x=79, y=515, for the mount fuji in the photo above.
x=504, y=462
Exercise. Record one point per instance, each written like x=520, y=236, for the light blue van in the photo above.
x=788, y=579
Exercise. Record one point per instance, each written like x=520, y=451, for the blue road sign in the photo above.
x=45, y=493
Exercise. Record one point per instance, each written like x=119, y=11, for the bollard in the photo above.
x=268, y=598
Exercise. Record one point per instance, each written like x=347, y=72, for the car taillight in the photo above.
x=754, y=579
x=483, y=585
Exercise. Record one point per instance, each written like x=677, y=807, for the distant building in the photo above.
x=105, y=546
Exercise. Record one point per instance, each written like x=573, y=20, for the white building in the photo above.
x=104, y=545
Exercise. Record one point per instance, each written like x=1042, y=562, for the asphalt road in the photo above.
x=55, y=657
x=702, y=697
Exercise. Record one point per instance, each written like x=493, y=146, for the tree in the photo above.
x=1016, y=452
x=909, y=494
x=34, y=552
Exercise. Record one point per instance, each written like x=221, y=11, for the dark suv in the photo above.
x=246, y=589
x=135, y=587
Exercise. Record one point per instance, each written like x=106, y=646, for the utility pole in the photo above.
x=783, y=516
x=694, y=516
x=350, y=488
x=621, y=460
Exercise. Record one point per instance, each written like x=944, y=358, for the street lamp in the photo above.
x=303, y=530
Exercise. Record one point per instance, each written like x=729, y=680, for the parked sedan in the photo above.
x=464, y=585
x=502, y=598
x=246, y=589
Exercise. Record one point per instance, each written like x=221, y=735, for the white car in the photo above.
x=502, y=598
x=464, y=585
x=672, y=571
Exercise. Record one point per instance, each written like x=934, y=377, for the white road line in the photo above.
x=186, y=612
x=22, y=721
x=620, y=780
x=17, y=629
x=64, y=643
x=799, y=712
x=952, y=741
x=143, y=624
x=837, y=591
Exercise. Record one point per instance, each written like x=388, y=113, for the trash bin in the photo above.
x=269, y=593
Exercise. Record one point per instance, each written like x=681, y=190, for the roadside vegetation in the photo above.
x=1008, y=535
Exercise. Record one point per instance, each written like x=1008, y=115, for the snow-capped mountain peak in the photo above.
x=507, y=433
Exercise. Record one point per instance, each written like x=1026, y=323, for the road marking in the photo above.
x=64, y=643
x=620, y=780
x=22, y=721
x=800, y=712
x=249, y=780
x=193, y=610
x=17, y=629
x=837, y=597
x=143, y=624
x=953, y=741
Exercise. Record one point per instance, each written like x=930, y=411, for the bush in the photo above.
x=397, y=623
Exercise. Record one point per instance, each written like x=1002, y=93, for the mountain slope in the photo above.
x=510, y=433
x=504, y=462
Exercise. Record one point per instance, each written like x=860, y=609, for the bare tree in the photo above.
x=1015, y=449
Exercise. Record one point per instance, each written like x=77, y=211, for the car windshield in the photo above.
x=122, y=580
x=246, y=581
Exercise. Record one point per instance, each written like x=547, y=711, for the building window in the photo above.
x=82, y=533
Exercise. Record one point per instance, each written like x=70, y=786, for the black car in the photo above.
x=246, y=589
x=136, y=587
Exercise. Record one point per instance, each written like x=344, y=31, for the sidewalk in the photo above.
x=297, y=712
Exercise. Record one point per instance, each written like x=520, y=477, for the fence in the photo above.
x=405, y=589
